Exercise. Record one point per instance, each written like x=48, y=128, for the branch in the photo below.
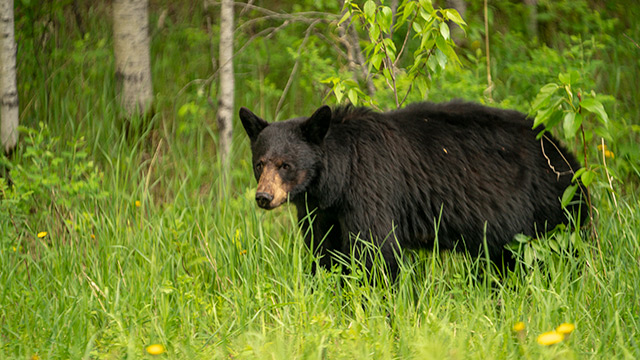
x=295, y=66
x=630, y=39
x=406, y=37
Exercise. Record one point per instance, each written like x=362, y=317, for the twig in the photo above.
x=415, y=76
x=295, y=67
x=269, y=31
x=406, y=37
x=630, y=39
x=558, y=174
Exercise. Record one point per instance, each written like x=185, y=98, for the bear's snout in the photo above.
x=272, y=191
x=264, y=199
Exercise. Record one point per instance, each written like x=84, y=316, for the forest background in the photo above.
x=120, y=232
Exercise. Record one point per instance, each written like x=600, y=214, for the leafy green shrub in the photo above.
x=51, y=180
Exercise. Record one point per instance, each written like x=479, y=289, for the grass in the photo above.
x=145, y=245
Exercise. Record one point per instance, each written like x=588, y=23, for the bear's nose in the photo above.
x=263, y=199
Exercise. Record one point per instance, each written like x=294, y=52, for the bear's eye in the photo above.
x=285, y=166
x=258, y=166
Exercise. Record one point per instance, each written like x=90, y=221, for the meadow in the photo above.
x=122, y=233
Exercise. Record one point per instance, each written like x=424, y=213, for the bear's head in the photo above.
x=286, y=155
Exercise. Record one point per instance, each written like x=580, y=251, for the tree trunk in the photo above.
x=131, y=48
x=227, y=82
x=8, y=88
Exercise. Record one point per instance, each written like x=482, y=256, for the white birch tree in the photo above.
x=227, y=83
x=131, y=49
x=8, y=87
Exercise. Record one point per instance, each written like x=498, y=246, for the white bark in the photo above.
x=131, y=48
x=8, y=87
x=227, y=82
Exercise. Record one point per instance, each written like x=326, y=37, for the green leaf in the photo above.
x=588, y=177
x=565, y=78
x=370, y=10
x=353, y=96
x=374, y=33
x=454, y=15
x=578, y=174
x=441, y=58
x=344, y=17
x=444, y=30
x=432, y=63
x=339, y=91
x=417, y=27
x=568, y=195
x=376, y=60
x=529, y=255
x=427, y=5
x=421, y=83
x=543, y=96
x=409, y=8
x=386, y=18
x=543, y=115
x=571, y=124
x=594, y=106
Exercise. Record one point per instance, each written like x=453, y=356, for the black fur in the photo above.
x=376, y=174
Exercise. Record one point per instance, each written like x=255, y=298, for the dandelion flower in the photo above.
x=607, y=153
x=518, y=327
x=565, y=328
x=42, y=234
x=138, y=203
x=156, y=349
x=550, y=338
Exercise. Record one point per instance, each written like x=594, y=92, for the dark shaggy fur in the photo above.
x=390, y=176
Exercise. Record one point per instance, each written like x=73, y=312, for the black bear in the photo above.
x=473, y=170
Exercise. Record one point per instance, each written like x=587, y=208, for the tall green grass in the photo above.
x=145, y=244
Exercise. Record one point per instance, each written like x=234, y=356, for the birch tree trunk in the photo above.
x=8, y=87
x=227, y=82
x=131, y=48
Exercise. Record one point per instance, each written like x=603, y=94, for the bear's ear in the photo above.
x=316, y=127
x=253, y=124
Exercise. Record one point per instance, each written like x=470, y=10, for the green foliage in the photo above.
x=52, y=179
x=197, y=268
x=433, y=50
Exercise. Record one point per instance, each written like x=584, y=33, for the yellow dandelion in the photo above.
x=518, y=327
x=35, y=357
x=550, y=338
x=565, y=328
x=93, y=236
x=42, y=234
x=243, y=252
x=607, y=153
x=138, y=203
x=156, y=349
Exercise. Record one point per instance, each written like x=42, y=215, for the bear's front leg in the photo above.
x=322, y=235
